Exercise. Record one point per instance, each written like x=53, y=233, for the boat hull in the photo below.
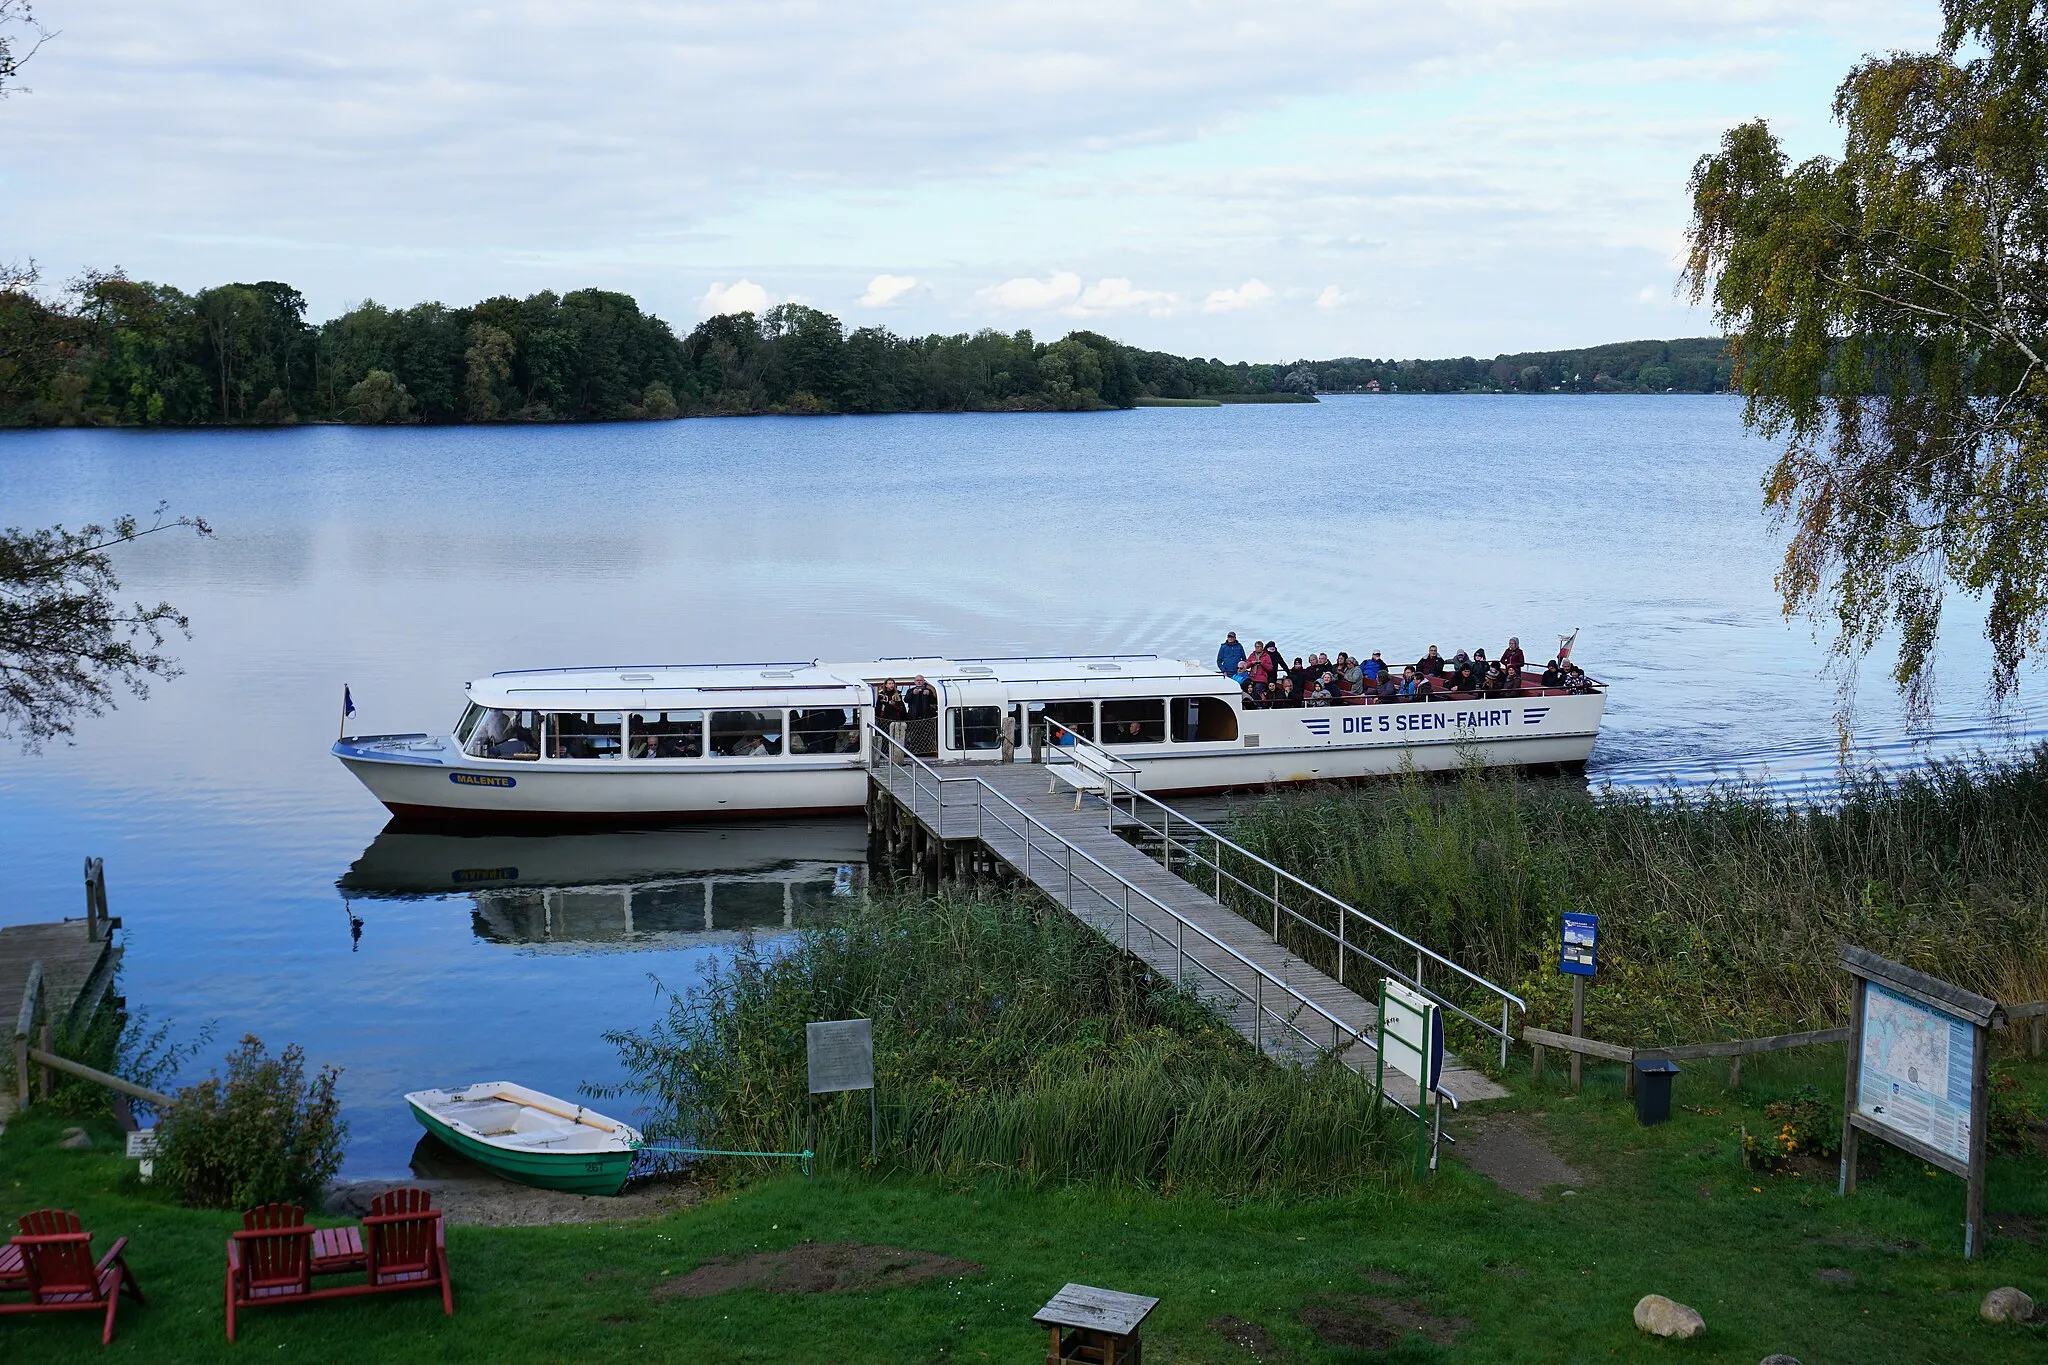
x=597, y=1173
x=429, y=781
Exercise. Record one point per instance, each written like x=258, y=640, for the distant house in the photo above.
x=1372, y=386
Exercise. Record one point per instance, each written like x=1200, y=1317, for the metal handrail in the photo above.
x=1113, y=786
x=924, y=778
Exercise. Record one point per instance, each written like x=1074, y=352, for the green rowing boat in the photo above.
x=531, y=1137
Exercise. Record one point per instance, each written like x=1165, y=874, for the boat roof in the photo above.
x=618, y=686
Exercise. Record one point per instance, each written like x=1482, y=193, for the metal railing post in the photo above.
x=1276, y=905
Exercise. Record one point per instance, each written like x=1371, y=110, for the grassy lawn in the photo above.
x=1668, y=1210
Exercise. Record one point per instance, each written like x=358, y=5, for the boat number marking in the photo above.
x=482, y=780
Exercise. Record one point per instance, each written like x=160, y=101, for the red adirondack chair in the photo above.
x=58, y=1271
x=275, y=1256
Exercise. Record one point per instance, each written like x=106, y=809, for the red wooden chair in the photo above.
x=13, y=1275
x=275, y=1256
x=59, y=1273
x=407, y=1246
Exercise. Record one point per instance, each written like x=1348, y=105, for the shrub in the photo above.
x=2015, y=1116
x=262, y=1134
x=1809, y=1124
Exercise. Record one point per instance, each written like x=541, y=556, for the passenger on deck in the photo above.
x=1230, y=655
x=1374, y=669
x=1284, y=696
x=889, y=706
x=1430, y=665
x=1387, y=689
x=1350, y=675
x=1461, y=673
x=1408, y=676
x=1552, y=675
x=921, y=700
x=1512, y=658
x=1318, y=691
x=1425, y=688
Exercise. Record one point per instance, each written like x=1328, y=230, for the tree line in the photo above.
x=119, y=352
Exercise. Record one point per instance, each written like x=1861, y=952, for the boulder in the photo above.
x=1662, y=1317
x=2006, y=1304
x=75, y=1140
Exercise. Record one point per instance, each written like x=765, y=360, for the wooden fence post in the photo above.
x=1578, y=1025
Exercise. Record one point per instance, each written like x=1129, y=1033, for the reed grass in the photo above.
x=1008, y=1038
x=1721, y=911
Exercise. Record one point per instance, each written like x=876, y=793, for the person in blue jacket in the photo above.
x=1230, y=655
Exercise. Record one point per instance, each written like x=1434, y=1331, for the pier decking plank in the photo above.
x=1099, y=902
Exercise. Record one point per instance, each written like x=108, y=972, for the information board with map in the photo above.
x=1918, y=1063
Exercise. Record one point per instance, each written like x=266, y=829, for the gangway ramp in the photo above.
x=1285, y=1006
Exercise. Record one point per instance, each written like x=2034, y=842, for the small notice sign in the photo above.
x=1581, y=934
x=841, y=1054
x=1411, y=1043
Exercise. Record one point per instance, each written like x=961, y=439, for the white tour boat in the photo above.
x=677, y=742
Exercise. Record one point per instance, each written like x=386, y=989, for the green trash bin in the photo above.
x=1653, y=1091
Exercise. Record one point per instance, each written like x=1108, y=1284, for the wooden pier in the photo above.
x=53, y=976
x=952, y=820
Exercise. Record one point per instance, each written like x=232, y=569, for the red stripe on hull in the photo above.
x=547, y=819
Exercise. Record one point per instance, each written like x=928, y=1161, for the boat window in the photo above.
x=825, y=730
x=975, y=727
x=1203, y=718
x=1078, y=716
x=1133, y=720
x=471, y=714
x=666, y=734
x=503, y=734
x=584, y=734
x=746, y=734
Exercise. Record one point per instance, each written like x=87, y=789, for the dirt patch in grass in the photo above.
x=1515, y=1157
x=1863, y=1242
x=1372, y=1323
x=1251, y=1336
x=815, y=1268
x=2019, y=1227
x=1836, y=1275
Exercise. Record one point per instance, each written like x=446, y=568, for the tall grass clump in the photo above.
x=1721, y=911
x=1008, y=1038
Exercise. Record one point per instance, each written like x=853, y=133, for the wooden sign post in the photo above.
x=1919, y=1053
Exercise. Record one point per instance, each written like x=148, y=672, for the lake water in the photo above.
x=242, y=856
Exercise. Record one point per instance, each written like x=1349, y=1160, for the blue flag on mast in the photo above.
x=348, y=706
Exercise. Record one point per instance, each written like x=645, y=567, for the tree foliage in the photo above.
x=20, y=36
x=66, y=645
x=1889, y=318
x=121, y=352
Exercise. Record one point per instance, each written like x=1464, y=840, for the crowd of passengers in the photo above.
x=1268, y=681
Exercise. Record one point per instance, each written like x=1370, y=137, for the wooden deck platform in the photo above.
x=1131, y=900
x=77, y=969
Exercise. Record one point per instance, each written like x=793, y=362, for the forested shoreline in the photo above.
x=118, y=352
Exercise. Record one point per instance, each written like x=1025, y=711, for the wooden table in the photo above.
x=1098, y=1326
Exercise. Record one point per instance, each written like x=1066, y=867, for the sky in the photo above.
x=1246, y=181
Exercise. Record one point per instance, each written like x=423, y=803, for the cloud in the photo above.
x=1332, y=298
x=1027, y=295
x=742, y=296
x=1649, y=293
x=1245, y=295
x=1117, y=296
x=884, y=290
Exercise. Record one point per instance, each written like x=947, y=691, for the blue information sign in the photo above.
x=1581, y=932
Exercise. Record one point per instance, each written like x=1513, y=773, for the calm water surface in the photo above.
x=260, y=893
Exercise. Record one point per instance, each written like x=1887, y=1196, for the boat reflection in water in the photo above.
x=653, y=889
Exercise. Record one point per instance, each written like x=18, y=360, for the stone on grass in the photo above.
x=1662, y=1317
x=1780, y=1359
x=2006, y=1304
x=75, y=1140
